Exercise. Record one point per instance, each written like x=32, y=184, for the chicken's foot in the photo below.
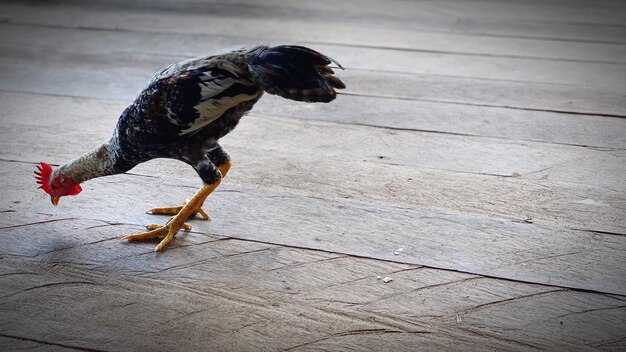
x=176, y=209
x=177, y=222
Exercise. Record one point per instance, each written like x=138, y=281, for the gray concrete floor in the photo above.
x=476, y=160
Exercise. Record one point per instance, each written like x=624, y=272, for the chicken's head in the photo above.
x=60, y=185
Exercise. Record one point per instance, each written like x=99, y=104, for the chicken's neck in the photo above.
x=100, y=161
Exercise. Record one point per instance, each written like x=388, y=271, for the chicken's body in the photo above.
x=187, y=107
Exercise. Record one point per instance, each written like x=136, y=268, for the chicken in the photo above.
x=184, y=111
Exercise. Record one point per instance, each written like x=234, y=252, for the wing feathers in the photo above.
x=219, y=92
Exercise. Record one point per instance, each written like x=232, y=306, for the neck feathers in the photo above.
x=96, y=163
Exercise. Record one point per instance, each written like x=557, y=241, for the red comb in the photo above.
x=42, y=175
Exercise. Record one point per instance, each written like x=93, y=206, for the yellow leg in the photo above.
x=177, y=222
x=176, y=209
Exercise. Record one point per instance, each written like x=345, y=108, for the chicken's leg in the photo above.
x=224, y=167
x=212, y=177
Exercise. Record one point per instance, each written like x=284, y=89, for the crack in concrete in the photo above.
x=424, y=288
x=356, y=332
x=505, y=301
x=50, y=343
x=588, y=311
x=297, y=265
x=498, y=338
x=37, y=223
x=78, y=283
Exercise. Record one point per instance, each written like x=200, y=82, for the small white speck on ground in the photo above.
x=591, y=202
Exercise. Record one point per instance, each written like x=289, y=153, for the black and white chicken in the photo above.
x=184, y=111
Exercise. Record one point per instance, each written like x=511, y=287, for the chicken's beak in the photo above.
x=55, y=200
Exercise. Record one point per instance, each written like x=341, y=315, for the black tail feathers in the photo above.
x=295, y=72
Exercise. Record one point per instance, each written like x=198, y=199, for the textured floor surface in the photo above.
x=476, y=160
